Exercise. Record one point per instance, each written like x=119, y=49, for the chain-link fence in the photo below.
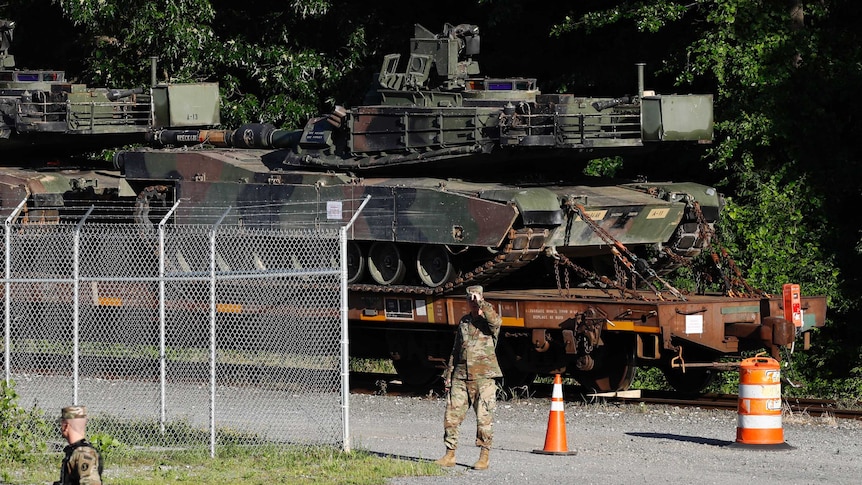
x=180, y=335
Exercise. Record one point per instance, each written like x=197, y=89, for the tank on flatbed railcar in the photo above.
x=472, y=180
x=599, y=338
x=514, y=205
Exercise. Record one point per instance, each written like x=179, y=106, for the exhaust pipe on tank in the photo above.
x=640, y=66
x=154, y=64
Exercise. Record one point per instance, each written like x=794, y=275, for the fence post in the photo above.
x=7, y=332
x=213, y=329
x=76, y=304
x=162, y=363
x=345, y=344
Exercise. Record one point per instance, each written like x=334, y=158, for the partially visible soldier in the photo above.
x=82, y=464
x=469, y=378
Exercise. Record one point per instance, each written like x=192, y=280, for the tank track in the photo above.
x=521, y=248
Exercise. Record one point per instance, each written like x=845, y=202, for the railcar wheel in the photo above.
x=434, y=265
x=694, y=379
x=615, y=365
x=385, y=263
x=355, y=262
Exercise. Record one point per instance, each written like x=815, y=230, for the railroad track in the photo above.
x=388, y=384
x=812, y=407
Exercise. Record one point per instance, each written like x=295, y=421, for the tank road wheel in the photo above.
x=385, y=263
x=614, y=367
x=355, y=262
x=434, y=265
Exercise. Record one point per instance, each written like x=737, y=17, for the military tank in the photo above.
x=36, y=116
x=495, y=212
x=461, y=179
x=48, y=124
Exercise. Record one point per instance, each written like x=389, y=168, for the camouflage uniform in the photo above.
x=82, y=464
x=470, y=376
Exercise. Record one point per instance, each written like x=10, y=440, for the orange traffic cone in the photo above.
x=555, y=438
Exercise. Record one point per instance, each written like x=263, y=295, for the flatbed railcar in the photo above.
x=591, y=335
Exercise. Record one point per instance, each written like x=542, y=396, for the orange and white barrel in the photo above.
x=759, y=407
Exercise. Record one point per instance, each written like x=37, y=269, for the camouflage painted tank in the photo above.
x=45, y=121
x=503, y=140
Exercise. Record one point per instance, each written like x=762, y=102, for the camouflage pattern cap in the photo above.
x=73, y=412
x=474, y=290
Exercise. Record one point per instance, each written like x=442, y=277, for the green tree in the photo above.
x=784, y=75
x=121, y=35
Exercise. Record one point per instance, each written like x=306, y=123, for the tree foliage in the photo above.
x=784, y=152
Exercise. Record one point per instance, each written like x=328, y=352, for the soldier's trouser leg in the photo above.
x=457, y=403
x=485, y=403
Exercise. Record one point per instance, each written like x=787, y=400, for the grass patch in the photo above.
x=181, y=454
x=177, y=354
x=247, y=465
x=381, y=366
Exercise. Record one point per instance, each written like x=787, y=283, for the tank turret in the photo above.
x=47, y=122
x=439, y=114
x=41, y=111
x=446, y=155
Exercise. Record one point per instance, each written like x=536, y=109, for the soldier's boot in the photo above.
x=448, y=459
x=482, y=463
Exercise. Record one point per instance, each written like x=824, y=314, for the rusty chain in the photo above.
x=626, y=257
x=601, y=282
x=730, y=283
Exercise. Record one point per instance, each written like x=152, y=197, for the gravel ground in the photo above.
x=615, y=444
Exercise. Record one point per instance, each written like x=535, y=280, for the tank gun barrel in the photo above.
x=116, y=94
x=252, y=135
x=610, y=103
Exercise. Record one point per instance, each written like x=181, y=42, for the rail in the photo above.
x=431, y=128
x=388, y=384
x=84, y=117
x=567, y=130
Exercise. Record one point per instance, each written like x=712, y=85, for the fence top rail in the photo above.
x=322, y=230
x=308, y=213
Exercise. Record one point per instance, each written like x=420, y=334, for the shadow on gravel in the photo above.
x=397, y=457
x=676, y=437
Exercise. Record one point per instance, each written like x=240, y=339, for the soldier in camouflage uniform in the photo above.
x=469, y=378
x=82, y=464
